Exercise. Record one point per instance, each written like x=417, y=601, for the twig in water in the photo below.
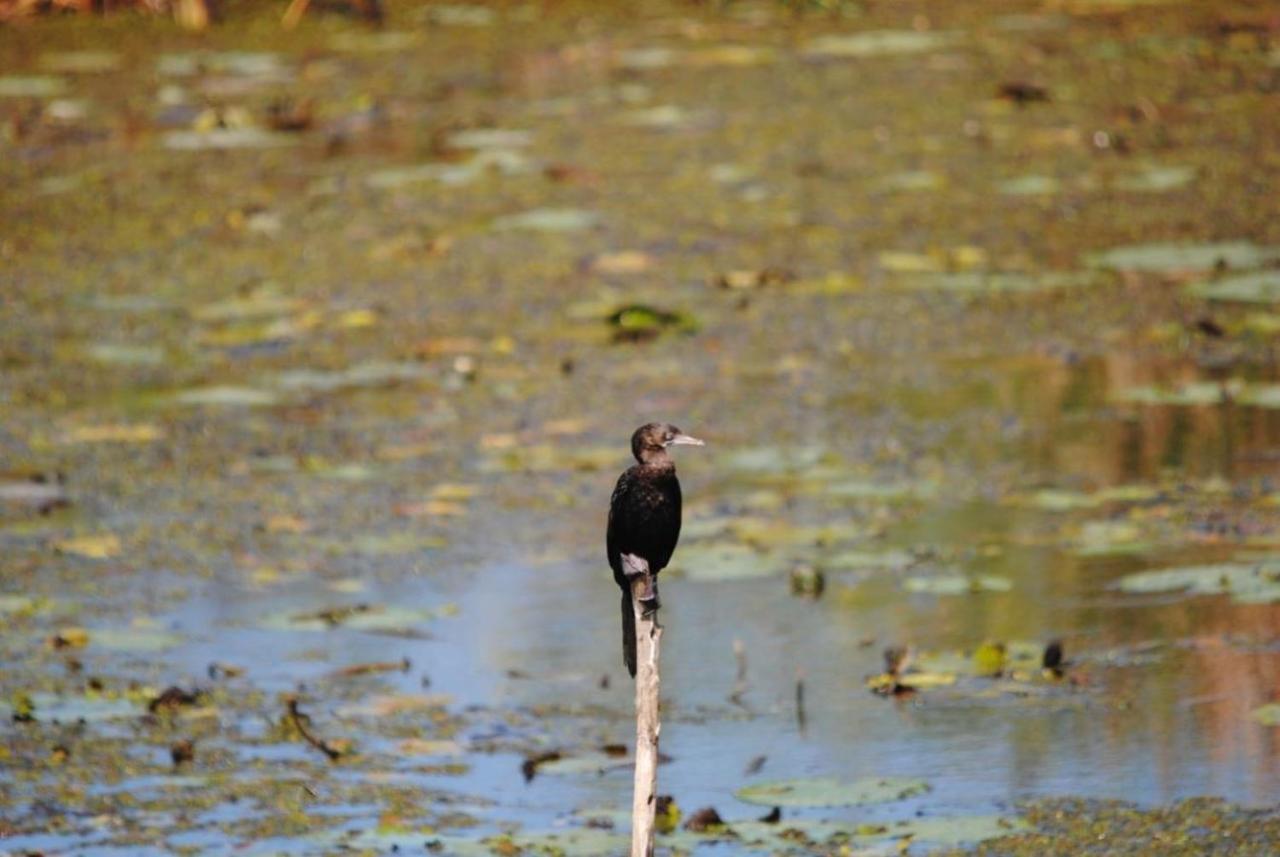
x=740, y=685
x=800, y=718
x=299, y=722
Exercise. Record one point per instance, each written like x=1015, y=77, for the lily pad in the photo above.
x=48, y=707
x=490, y=138
x=1157, y=179
x=1189, y=394
x=226, y=138
x=1267, y=715
x=31, y=86
x=878, y=43
x=360, y=375
x=957, y=584
x=220, y=396
x=548, y=220
x=1244, y=582
x=358, y=617
x=244, y=63
x=1261, y=287
x=827, y=791
x=1170, y=257
x=81, y=62
x=731, y=561
x=126, y=355
x=134, y=639
x=1030, y=186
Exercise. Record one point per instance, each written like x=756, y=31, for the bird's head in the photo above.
x=651, y=441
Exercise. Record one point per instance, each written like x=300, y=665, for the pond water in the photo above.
x=321, y=351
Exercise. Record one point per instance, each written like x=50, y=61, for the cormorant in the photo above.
x=644, y=521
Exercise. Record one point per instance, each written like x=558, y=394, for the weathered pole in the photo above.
x=648, y=725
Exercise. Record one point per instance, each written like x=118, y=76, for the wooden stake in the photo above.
x=648, y=647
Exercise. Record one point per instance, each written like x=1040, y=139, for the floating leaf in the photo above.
x=81, y=62
x=126, y=355
x=549, y=220
x=31, y=86
x=1157, y=179
x=1168, y=257
x=490, y=138
x=48, y=708
x=726, y=562
x=957, y=584
x=226, y=397
x=878, y=43
x=1267, y=715
x=825, y=791
x=388, y=705
x=102, y=546
x=915, y=180
x=1244, y=582
x=1192, y=393
x=360, y=375
x=113, y=433
x=226, y=138
x=639, y=322
x=1261, y=287
x=1030, y=186
x=244, y=63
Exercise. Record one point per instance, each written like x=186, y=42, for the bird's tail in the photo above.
x=628, y=634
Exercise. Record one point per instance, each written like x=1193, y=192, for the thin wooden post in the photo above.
x=648, y=685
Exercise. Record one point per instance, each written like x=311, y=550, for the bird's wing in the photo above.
x=644, y=519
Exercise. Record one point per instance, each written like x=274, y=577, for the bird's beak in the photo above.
x=685, y=440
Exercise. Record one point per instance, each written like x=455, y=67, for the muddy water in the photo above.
x=309, y=366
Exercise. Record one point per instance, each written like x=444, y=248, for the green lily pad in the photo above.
x=589, y=764
x=1260, y=396
x=878, y=43
x=957, y=584
x=31, y=86
x=359, y=617
x=223, y=396
x=243, y=63
x=995, y=282
x=126, y=355
x=1157, y=179
x=48, y=707
x=771, y=459
x=81, y=62
x=17, y=604
x=1262, y=287
x=883, y=490
x=726, y=562
x=490, y=138
x=914, y=180
x=1030, y=186
x=827, y=791
x=1267, y=715
x=1244, y=582
x=1111, y=538
x=1190, y=394
x=854, y=560
x=548, y=220
x=360, y=375
x=1170, y=257
x=226, y=138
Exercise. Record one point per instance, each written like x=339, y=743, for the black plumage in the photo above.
x=644, y=521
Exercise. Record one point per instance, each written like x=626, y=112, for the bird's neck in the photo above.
x=658, y=461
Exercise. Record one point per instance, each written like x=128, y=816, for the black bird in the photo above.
x=644, y=521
